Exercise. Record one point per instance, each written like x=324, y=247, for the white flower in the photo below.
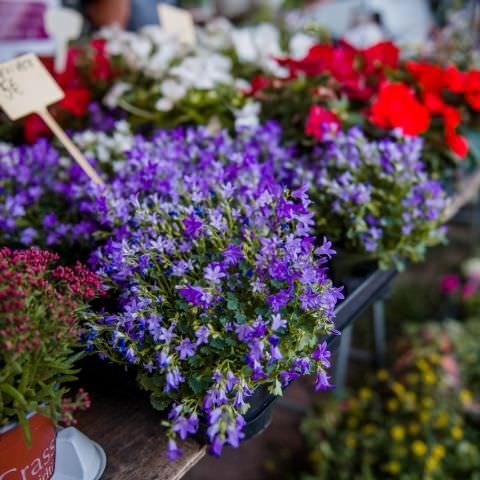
x=156, y=34
x=173, y=89
x=115, y=92
x=164, y=104
x=300, y=44
x=247, y=116
x=260, y=45
x=216, y=35
x=241, y=84
x=105, y=147
x=471, y=268
x=159, y=63
x=244, y=44
x=203, y=71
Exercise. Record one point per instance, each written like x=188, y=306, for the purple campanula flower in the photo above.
x=186, y=348
x=196, y=296
x=279, y=300
x=214, y=274
x=325, y=248
x=28, y=236
x=322, y=381
x=167, y=334
x=173, y=451
x=322, y=355
x=278, y=322
x=233, y=254
x=173, y=379
x=202, y=334
x=192, y=225
x=184, y=426
x=216, y=446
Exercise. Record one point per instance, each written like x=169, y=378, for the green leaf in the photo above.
x=14, y=393
x=198, y=384
x=22, y=418
x=159, y=403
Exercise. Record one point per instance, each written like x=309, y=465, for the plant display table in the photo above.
x=130, y=433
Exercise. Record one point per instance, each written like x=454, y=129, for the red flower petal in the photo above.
x=457, y=143
x=455, y=80
x=318, y=119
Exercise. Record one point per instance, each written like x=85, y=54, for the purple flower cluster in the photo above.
x=376, y=195
x=43, y=198
x=222, y=286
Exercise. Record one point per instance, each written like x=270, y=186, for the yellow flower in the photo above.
x=414, y=428
x=393, y=467
x=397, y=432
x=466, y=396
x=393, y=404
x=422, y=364
x=399, y=389
x=382, y=375
x=419, y=448
x=429, y=378
x=365, y=393
x=425, y=416
x=350, y=441
x=438, y=451
x=456, y=433
x=434, y=358
x=431, y=464
x=442, y=420
x=427, y=402
x=410, y=398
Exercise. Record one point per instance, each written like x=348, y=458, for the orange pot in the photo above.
x=18, y=461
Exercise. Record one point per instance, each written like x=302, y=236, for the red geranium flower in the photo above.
x=76, y=101
x=34, y=127
x=359, y=72
x=455, y=80
x=258, y=83
x=472, y=89
x=457, y=143
x=397, y=107
x=451, y=117
x=383, y=54
x=429, y=76
x=101, y=67
x=320, y=120
x=434, y=102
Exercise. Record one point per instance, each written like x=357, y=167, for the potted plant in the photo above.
x=39, y=340
x=375, y=197
x=406, y=424
x=222, y=289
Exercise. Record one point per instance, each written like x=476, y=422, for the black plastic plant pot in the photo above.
x=259, y=415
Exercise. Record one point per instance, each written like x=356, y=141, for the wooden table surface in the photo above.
x=129, y=431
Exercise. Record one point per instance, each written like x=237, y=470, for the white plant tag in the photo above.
x=27, y=87
x=62, y=25
x=178, y=22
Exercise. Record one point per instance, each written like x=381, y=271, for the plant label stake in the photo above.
x=63, y=25
x=27, y=87
x=178, y=22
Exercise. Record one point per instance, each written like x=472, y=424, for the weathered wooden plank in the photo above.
x=129, y=431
